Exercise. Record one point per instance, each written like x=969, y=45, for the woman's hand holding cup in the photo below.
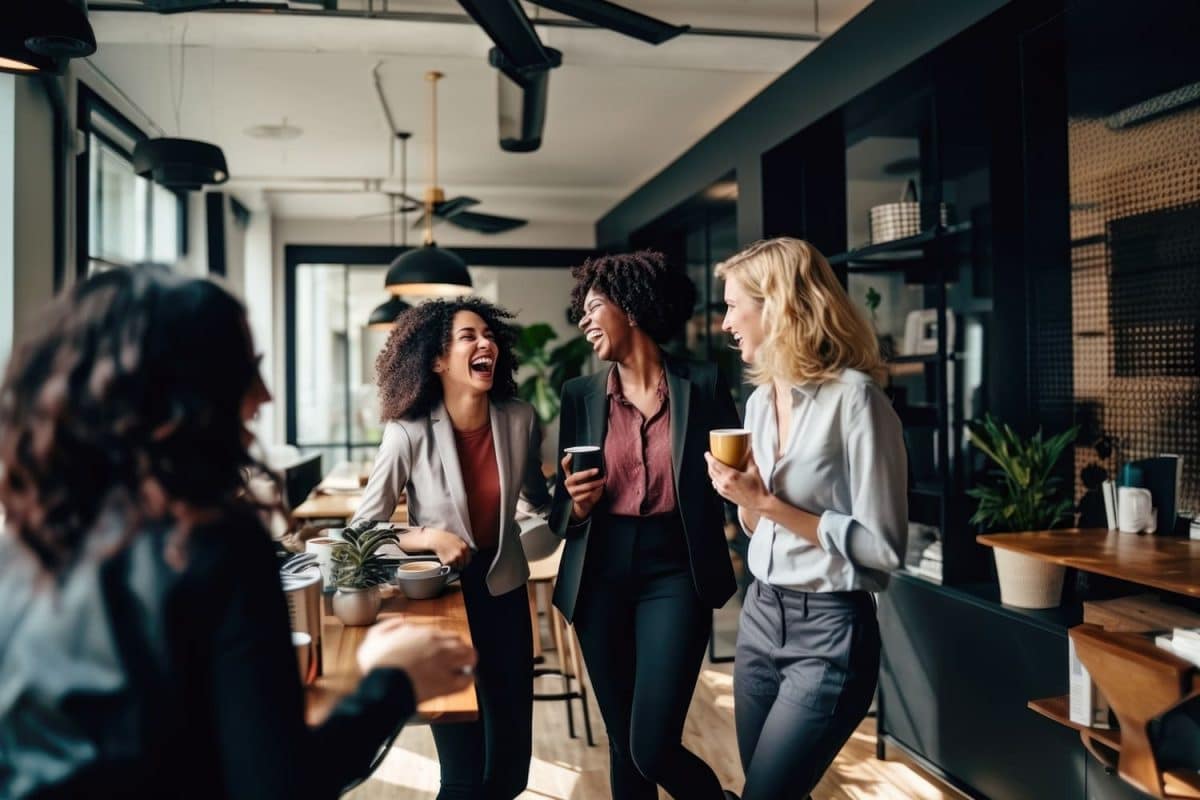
x=585, y=486
x=732, y=470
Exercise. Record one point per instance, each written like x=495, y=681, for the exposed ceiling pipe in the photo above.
x=463, y=19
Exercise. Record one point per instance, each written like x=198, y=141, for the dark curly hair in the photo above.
x=135, y=374
x=408, y=388
x=659, y=299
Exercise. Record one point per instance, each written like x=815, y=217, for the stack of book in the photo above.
x=1183, y=642
x=930, y=565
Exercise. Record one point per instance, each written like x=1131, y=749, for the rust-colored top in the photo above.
x=481, y=476
x=637, y=454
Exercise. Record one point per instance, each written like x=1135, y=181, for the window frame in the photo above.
x=96, y=117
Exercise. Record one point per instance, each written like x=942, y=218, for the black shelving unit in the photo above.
x=930, y=259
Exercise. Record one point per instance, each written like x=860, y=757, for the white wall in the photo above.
x=8, y=154
x=27, y=208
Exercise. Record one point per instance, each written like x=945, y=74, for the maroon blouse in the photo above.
x=637, y=454
x=481, y=475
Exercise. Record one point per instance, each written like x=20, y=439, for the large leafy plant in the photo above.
x=357, y=563
x=551, y=368
x=1027, y=495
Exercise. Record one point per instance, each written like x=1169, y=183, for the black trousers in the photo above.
x=489, y=759
x=643, y=632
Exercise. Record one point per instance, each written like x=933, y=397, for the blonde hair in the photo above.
x=811, y=329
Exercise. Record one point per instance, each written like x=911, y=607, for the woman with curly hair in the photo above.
x=824, y=499
x=465, y=450
x=144, y=645
x=645, y=561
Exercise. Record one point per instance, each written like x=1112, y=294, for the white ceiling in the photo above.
x=618, y=110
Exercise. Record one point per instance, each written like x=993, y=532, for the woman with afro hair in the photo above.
x=645, y=560
x=464, y=450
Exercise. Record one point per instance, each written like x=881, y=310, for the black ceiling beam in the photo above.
x=505, y=23
x=617, y=18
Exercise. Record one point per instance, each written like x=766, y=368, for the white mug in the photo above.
x=322, y=548
x=1135, y=510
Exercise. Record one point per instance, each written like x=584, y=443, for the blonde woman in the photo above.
x=824, y=501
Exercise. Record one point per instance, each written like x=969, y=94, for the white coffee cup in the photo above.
x=1135, y=510
x=322, y=548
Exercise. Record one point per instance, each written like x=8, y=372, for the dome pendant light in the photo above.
x=429, y=270
x=40, y=35
x=383, y=318
x=182, y=164
x=176, y=163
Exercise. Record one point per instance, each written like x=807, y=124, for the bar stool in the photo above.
x=542, y=575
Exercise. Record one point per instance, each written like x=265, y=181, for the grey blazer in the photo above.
x=419, y=457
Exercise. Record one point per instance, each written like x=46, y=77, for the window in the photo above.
x=337, y=407
x=128, y=219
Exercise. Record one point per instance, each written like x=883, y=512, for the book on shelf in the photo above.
x=1109, y=490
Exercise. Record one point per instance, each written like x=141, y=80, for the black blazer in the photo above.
x=700, y=401
x=133, y=678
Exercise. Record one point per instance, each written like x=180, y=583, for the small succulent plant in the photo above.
x=357, y=563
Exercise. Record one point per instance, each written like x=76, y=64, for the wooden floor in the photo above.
x=567, y=769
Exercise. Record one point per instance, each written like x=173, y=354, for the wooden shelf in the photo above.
x=1162, y=562
x=1177, y=782
x=1058, y=710
x=1142, y=683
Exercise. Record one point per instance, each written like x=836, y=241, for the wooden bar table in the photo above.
x=339, y=506
x=447, y=613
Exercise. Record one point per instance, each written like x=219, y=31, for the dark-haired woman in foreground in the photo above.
x=466, y=452
x=144, y=647
x=646, y=560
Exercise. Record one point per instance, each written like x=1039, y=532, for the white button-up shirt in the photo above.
x=844, y=461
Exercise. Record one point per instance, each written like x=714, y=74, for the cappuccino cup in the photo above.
x=730, y=446
x=586, y=457
x=419, y=569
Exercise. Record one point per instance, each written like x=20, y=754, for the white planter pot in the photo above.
x=357, y=606
x=1027, y=582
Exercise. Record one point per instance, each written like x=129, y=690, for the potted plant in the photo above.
x=550, y=368
x=1027, y=496
x=358, y=571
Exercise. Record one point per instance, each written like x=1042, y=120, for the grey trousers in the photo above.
x=806, y=670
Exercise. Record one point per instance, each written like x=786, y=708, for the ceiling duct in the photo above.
x=521, y=100
x=524, y=62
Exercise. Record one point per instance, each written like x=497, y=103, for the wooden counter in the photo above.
x=1162, y=562
x=447, y=612
x=1140, y=681
x=339, y=506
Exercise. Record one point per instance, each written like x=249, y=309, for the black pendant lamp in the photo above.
x=182, y=164
x=429, y=270
x=40, y=34
x=383, y=318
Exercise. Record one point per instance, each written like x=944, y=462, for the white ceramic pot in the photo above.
x=357, y=606
x=1027, y=582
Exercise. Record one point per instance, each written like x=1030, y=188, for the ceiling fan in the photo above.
x=437, y=206
x=453, y=210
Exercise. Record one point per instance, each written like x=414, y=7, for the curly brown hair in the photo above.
x=408, y=388
x=135, y=375
x=658, y=298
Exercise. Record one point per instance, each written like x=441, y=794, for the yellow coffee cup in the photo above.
x=730, y=446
